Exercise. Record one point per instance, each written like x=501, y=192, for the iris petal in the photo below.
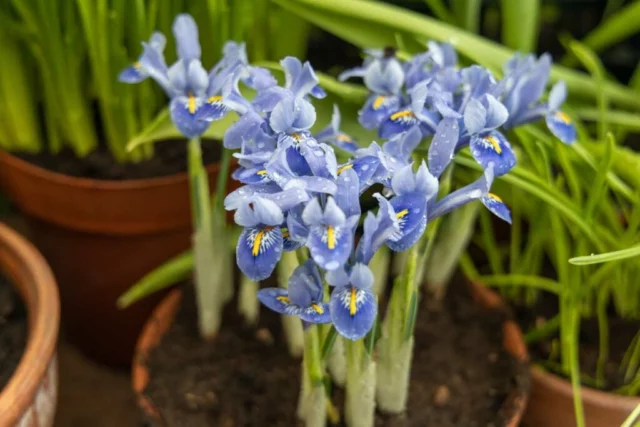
x=376, y=109
x=493, y=148
x=410, y=210
x=561, y=126
x=183, y=114
x=396, y=123
x=497, y=207
x=408, y=239
x=258, y=251
x=213, y=109
x=131, y=74
x=275, y=299
x=330, y=247
x=353, y=311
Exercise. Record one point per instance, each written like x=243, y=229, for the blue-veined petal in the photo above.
x=266, y=100
x=396, y=123
x=320, y=157
x=401, y=146
x=384, y=75
x=295, y=226
x=288, y=242
x=319, y=312
x=410, y=209
x=259, y=211
x=245, y=194
x=212, y=109
x=183, y=114
x=497, y=207
x=561, y=126
x=377, y=230
x=376, y=109
x=242, y=130
x=305, y=284
x=276, y=299
x=497, y=113
x=361, y=276
x=254, y=175
x=353, y=311
x=197, y=78
x=493, y=148
x=330, y=246
x=258, y=251
x=557, y=96
x=475, y=116
x=409, y=239
x=259, y=78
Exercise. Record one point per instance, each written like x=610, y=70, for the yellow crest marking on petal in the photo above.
x=214, y=99
x=344, y=168
x=343, y=137
x=283, y=299
x=258, y=240
x=563, y=117
x=494, y=142
x=400, y=114
x=494, y=197
x=296, y=136
x=137, y=65
x=263, y=172
x=331, y=237
x=402, y=213
x=377, y=103
x=192, y=103
x=317, y=308
x=352, y=303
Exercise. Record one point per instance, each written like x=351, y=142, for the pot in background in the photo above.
x=30, y=396
x=100, y=237
x=551, y=403
x=164, y=315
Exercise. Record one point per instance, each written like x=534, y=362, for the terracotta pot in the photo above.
x=164, y=315
x=100, y=237
x=551, y=403
x=29, y=398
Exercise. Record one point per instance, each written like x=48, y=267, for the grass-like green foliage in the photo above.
x=61, y=59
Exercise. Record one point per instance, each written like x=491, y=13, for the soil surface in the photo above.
x=460, y=375
x=621, y=333
x=169, y=158
x=13, y=330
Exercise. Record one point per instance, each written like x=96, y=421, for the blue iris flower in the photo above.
x=353, y=304
x=383, y=75
x=303, y=298
x=439, y=61
x=523, y=85
x=260, y=244
x=496, y=206
x=481, y=119
x=186, y=82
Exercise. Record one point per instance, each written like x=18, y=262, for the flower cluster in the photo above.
x=295, y=192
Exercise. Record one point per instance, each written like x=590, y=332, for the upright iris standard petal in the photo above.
x=561, y=126
x=353, y=311
x=259, y=249
x=185, y=31
x=493, y=148
x=497, y=207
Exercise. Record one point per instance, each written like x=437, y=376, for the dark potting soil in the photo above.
x=13, y=330
x=169, y=158
x=460, y=374
x=621, y=333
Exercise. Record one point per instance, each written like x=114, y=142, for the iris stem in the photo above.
x=360, y=388
x=211, y=269
x=291, y=325
x=312, y=405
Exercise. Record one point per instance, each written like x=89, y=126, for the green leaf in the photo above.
x=412, y=315
x=606, y=257
x=374, y=24
x=328, y=342
x=372, y=337
x=535, y=282
x=616, y=28
x=171, y=272
x=520, y=24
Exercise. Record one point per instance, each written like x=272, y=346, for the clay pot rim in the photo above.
x=164, y=314
x=96, y=184
x=43, y=310
x=602, y=398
